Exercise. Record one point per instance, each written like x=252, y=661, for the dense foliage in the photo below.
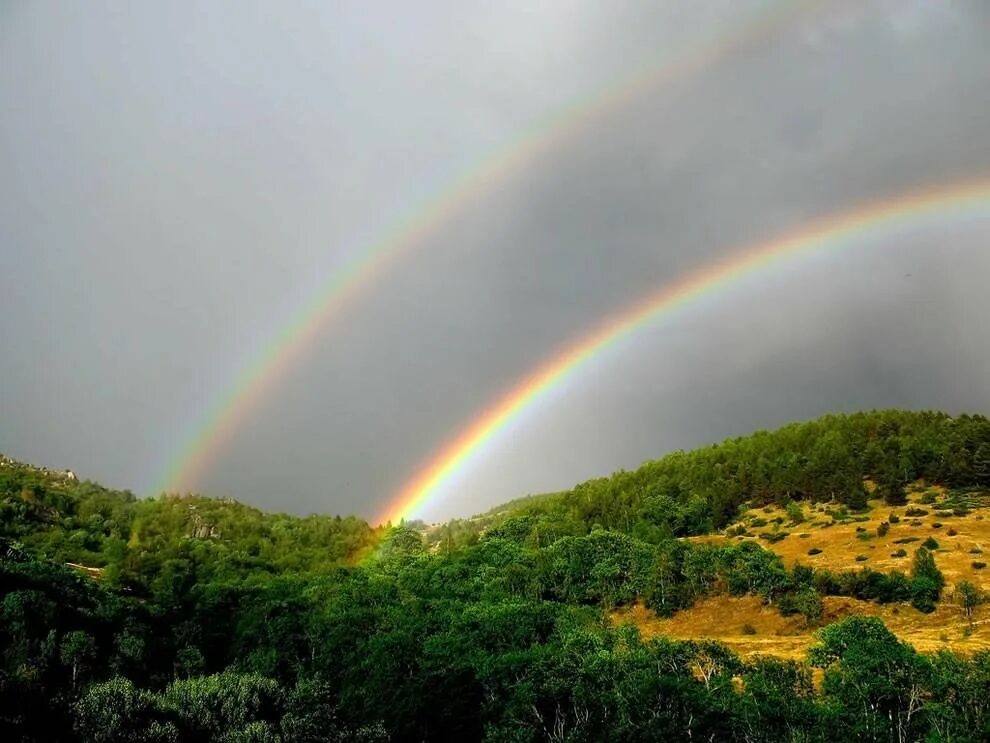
x=197, y=619
x=688, y=493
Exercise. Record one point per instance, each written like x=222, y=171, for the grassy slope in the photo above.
x=724, y=617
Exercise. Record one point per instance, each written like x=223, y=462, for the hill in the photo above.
x=714, y=594
x=954, y=525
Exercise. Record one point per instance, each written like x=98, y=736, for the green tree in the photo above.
x=878, y=684
x=968, y=596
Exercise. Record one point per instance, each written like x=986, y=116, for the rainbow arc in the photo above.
x=911, y=211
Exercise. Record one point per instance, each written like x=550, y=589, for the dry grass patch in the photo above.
x=750, y=628
x=842, y=542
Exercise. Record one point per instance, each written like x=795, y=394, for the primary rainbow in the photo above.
x=286, y=348
x=876, y=220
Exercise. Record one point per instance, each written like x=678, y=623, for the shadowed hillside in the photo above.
x=821, y=581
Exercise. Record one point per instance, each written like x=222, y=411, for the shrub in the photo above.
x=883, y=529
x=806, y=601
x=857, y=500
x=924, y=594
x=748, y=629
x=979, y=565
x=861, y=558
x=937, y=525
x=899, y=553
x=944, y=514
x=913, y=511
x=774, y=536
x=930, y=544
x=951, y=532
x=976, y=551
x=803, y=536
x=814, y=551
x=794, y=512
x=929, y=498
x=894, y=518
x=860, y=528
x=960, y=511
x=924, y=567
x=757, y=522
x=864, y=536
x=906, y=540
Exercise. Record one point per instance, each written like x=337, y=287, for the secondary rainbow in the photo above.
x=912, y=210
x=283, y=351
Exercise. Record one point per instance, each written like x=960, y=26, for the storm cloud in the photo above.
x=179, y=180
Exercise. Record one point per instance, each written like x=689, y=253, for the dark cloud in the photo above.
x=179, y=180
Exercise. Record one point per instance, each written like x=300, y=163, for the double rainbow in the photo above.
x=287, y=348
x=911, y=211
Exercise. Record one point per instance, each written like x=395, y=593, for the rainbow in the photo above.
x=286, y=349
x=875, y=221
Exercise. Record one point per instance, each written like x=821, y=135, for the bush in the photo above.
x=937, y=525
x=924, y=594
x=951, y=532
x=806, y=601
x=748, y=629
x=804, y=536
x=861, y=558
x=930, y=544
x=860, y=528
x=883, y=529
x=814, y=551
x=894, y=518
x=929, y=498
x=774, y=536
x=944, y=514
x=899, y=553
x=794, y=512
x=906, y=540
x=924, y=567
x=757, y=522
x=976, y=551
x=914, y=511
x=960, y=511
x=979, y=565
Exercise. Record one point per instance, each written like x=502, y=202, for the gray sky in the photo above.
x=179, y=179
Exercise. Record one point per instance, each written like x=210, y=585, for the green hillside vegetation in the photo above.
x=188, y=618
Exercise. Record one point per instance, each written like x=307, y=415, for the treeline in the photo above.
x=198, y=619
x=165, y=544
x=484, y=642
x=828, y=459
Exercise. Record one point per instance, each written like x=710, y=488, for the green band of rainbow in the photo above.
x=285, y=350
x=909, y=211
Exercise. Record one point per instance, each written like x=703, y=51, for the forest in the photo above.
x=186, y=618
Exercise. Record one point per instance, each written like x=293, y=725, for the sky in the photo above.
x=179, y=181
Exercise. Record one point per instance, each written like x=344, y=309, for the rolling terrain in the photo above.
x=821, y=581
x=837, y=540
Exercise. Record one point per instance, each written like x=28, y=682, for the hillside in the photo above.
x=752, y=590
x=831, y=539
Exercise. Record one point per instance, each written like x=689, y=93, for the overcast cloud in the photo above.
x=178, y=179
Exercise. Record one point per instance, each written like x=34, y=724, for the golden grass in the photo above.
x=841, y=544
x=723, y=618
